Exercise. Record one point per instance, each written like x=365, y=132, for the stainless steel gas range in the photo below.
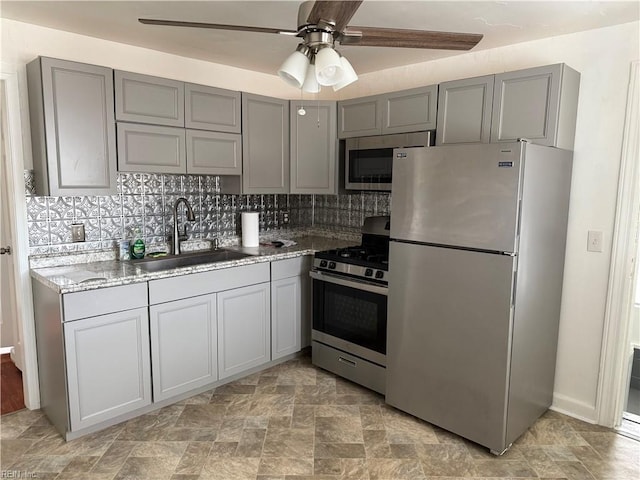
x=349, y=332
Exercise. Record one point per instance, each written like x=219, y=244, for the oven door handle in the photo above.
x=367, y=287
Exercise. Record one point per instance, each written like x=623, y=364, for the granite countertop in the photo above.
x=90, y=276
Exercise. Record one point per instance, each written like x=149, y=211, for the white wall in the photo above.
x=602, y=56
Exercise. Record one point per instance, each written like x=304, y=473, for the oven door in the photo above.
x=350, y=315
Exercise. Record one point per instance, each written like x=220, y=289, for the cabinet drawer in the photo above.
x=104, y=300
x=291, y=267
x=352, y=368
x=175, y=288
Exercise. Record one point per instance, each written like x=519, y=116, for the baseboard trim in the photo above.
x=574, y=408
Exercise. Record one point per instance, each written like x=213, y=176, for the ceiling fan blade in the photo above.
x=333, y=11
x=216, y=26
x=398, y=37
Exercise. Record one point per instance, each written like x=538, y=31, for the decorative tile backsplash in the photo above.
x=146, y=201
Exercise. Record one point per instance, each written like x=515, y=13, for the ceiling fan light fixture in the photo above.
x=294, y=68
x=311, y=84
x=349, y=75
x=329, y=69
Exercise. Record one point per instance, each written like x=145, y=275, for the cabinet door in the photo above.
x=147, y=99
x=150, y=148
x=73, y=129
x=214, y=153
x=464, y=111
x=360, y=117
x=265, y=144
x=313, y=148
x=410, y=110
x=209, y=108
x=108, y=366
x=183, y=345
x=539, y=104
x=244, y=334
x=286, y=316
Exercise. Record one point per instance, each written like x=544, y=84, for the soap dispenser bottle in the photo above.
x=137, y=247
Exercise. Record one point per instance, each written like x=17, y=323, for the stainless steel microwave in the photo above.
x=369, y=160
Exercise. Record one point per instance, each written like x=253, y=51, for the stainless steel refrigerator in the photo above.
x=475, y=279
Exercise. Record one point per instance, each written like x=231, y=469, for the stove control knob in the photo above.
x=332, y=264
x=368, y=272
x=379, y=274
x=323, y=263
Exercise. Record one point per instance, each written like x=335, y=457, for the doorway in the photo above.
x=10, y=345
x=621, y=311
x=15, y=148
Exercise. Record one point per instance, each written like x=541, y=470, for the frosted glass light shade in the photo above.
x=294, y=69
x=310, y=84
x=328, y=67
x=349, y=75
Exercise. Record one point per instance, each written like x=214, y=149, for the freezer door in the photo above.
x=448, y=338
x=460, y=195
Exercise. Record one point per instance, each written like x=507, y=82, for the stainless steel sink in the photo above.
x=188, y=259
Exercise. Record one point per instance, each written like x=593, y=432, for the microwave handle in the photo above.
x=367, y=287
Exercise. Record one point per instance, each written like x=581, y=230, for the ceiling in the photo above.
x=501, y=22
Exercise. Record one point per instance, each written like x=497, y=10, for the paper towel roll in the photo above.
x=250, y=228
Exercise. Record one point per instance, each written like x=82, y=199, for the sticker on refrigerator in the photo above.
x=505, y=164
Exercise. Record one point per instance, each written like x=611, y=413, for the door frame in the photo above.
x=18, y=133
x=614, y=365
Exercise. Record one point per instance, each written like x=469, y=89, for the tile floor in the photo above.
x=296, y=422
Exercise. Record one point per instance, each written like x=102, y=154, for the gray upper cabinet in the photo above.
x=214, y=153
x=265, y=144
x=150, y=148
x=405, y=111
x=72, y=127
x=464, y=111
x=539, y=104
x=313, y=148
x=209, y=108
x=410, y=110
x=360, y=117
x=147, y=99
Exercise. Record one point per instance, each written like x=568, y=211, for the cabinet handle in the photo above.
x=351, y=363
x=6, y=250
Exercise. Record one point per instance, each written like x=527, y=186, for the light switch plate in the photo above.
x=594, y=241
x=77, y=232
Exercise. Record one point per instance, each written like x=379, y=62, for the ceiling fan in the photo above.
x=315, y=62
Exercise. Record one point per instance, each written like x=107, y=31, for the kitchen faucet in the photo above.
x=176, y=230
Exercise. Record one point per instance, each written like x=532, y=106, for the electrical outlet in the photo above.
x=77, y=232
x=594, y=241
x=285, y=218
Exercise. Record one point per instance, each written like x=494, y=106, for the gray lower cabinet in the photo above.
x=108, y=366
x=539, y=104
x=464, y=111
x=214, y=153
x=183, y=345
x=93, y=355
x=313, y=148
x=290, y=306
x=209, y=108
x=147, y=99
x=244, y=329
x=151, y=148
x=265, y=144
x=72, y=127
